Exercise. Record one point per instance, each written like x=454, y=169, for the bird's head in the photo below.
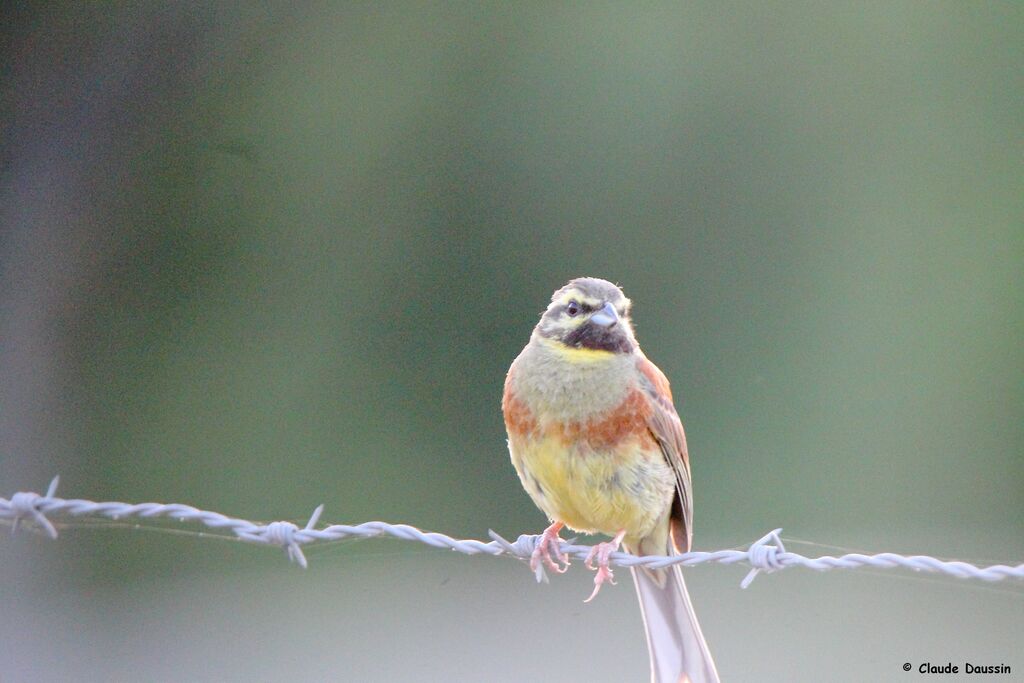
x=589, y=316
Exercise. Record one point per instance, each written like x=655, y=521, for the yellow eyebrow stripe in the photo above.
x=569, y=296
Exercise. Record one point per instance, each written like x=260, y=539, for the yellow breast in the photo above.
x=595, y=490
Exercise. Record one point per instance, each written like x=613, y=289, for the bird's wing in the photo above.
x=665, y=425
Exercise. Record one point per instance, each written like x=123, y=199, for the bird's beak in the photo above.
x=606, y=317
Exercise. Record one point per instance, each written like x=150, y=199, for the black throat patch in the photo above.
x=590, y=336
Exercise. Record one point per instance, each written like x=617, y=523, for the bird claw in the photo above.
x=604, y=574
x=550, y=544
x=601, y=552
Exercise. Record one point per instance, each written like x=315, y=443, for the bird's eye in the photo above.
x=573, y=308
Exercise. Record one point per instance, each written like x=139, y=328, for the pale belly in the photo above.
x=629, y=488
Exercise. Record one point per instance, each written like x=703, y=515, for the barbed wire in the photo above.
x=767, y=554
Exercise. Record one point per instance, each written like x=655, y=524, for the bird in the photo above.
x=599, y=447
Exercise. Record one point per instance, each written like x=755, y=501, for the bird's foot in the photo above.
x=549, y=551
x=600, y=552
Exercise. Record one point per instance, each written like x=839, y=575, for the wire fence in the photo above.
x=767, y=554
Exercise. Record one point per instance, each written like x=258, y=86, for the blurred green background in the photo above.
x=259, y=257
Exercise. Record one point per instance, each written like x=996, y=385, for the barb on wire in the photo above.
x=767, y=554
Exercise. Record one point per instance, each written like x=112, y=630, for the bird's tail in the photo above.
x=674, y=641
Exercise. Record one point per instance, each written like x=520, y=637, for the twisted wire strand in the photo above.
x=767, y=554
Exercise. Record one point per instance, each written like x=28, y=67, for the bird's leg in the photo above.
x=550, y=545
x=601, y=551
